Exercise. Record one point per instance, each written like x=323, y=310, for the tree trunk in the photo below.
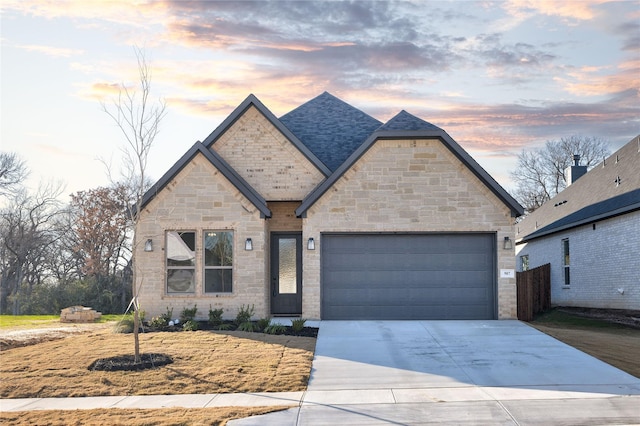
x=136, y=326
x=16, y=293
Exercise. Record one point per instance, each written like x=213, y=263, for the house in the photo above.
x=327, y=213
x=590, y=234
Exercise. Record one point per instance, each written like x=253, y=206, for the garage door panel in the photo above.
x=421, y=276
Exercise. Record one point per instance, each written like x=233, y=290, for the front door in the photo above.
x=286, y=273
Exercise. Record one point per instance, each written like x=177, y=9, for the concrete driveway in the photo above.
x=455, y=372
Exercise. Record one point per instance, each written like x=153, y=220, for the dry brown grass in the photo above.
x=115, y=416
x=615, y=344
x=204, y=362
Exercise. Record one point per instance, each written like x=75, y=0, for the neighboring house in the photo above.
x=327, y=213
x=590, y=234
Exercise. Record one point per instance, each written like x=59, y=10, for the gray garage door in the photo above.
x=408, y=276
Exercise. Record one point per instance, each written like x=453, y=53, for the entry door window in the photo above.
x=287, y=266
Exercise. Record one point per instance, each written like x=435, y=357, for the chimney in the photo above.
x=574, y=172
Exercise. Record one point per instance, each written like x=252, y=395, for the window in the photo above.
x=218, y=261
x=181, y=261
x=524, y=262
x=566, y=261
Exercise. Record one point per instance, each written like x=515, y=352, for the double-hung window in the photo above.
x=218, y=261
x=566, y=261
x=181, y=261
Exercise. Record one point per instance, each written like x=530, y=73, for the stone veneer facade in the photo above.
x=396, y=186
x=408, y=186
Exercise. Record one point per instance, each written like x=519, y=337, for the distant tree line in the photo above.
x=54, y=255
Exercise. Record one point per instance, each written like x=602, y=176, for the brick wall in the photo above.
x=271, y=164
x=602, y=261
x=408, y=186
x=200, y=198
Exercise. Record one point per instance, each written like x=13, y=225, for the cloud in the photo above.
x=571, y=12
x=52, y=51
x=603, y=80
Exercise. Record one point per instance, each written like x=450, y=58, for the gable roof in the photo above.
x=251, y=100
x=224, y=168
x=331, y=128
x=610, y=189
x=405, y=121
x=403, y=126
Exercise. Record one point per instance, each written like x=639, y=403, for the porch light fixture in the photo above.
x=248, y=244
x=311, y=244
x=148, y=245
x=508, y=244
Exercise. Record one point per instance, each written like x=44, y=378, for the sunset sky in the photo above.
x=498, y=76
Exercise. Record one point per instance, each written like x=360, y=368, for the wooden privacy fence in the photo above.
x=534, y=291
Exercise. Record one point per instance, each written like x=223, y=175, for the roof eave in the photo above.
x=457, y=150
x=595, y=218
x=227, y=171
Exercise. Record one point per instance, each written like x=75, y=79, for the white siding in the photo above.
x=605, y=263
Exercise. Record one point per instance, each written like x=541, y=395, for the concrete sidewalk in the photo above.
x=154, y=401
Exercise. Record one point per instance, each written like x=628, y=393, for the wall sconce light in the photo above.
x=148, y=245
x=248, y=244
x=311, y=244
x=508, y=244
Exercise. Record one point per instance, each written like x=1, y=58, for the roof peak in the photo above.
x=330, y=127
x=406, y=121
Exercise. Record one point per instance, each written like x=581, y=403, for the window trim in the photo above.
x=566, y=262
x=206, y=268
x=183, y=267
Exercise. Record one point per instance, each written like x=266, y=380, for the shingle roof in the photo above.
x=252, y=100
x=330, y=128
x=609, y=189
x=405, y=121
x=620, y=204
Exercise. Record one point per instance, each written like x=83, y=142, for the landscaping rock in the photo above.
x=79, y=314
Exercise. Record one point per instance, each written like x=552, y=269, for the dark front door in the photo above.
x=286, y=273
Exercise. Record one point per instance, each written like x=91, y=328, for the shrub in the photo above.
x=215, y=316
x=263, y=323
x=247, y=326
x=188, y=314
x=298, y=324
x=244, y=314
x=275, y=329
x=162, y=321
x=190, y=325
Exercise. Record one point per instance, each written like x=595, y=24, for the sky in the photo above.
x=497, y=76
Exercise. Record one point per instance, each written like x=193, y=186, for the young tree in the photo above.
x=138, y=118
x=539, y=175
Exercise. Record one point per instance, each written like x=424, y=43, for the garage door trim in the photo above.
x=487, y=248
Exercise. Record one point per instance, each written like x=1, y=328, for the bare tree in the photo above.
x=13, y=172
x=540, y=173
x=138, y=118
x=27, y=230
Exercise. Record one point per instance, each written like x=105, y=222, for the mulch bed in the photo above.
x=128, y=363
